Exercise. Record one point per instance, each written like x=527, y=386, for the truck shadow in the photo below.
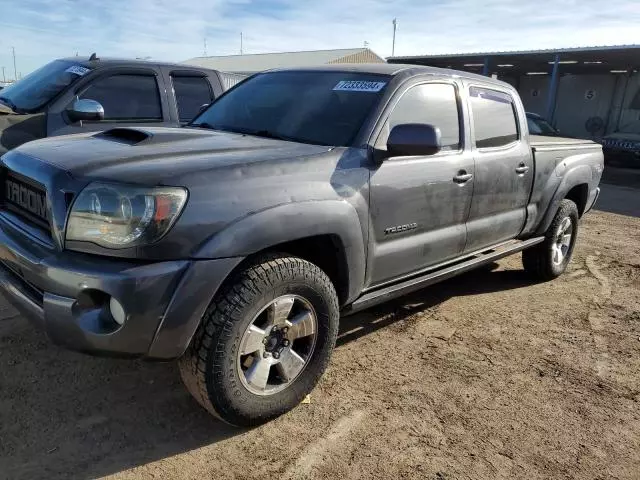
x=63, y=414
x=67, y=415
x=484, y=280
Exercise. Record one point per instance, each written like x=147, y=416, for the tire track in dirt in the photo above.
x=316, y=452
x=596, y=318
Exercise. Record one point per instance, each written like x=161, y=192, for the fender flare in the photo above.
x=576, y=176
x=295, y=221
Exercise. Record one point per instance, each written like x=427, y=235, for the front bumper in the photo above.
x=629, y=158
x=64, y=293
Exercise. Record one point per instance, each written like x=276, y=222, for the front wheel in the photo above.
x=264, y=342
x=549, y=259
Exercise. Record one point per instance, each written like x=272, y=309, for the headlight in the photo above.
x=120, y=216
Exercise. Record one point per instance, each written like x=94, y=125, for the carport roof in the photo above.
x=583, y=60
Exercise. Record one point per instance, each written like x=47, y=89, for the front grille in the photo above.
x=24, y=198
x=621, y=144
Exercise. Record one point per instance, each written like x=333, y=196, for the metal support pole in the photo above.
x=4, y=79
x=15, y=70
x=485, y=68
x=393, y=45
x=624, y=98
x=553, y=90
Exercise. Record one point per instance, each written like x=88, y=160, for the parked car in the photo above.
x=75, y=95
x=299, y=196
x=539, y=126
x=622, y=148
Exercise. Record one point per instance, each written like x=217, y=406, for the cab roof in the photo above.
x=391, y=69
x=127, y=62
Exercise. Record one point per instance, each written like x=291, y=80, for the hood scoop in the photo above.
x=128, y=136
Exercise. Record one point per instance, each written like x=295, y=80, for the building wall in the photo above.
x=581, y=97
x=534, y=90
x=623, y=118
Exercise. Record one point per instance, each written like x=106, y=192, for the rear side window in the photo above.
x=191, y=94
x=494, y=117
x=127, y=97
x=434, y=104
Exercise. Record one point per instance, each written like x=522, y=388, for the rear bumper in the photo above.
x=67, y=295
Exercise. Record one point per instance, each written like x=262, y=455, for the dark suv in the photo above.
x=76, y=95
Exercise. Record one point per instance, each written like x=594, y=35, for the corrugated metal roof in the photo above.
x=582, y=60
x=595, y=48
x=265, y=61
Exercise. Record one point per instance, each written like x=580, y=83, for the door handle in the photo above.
x=462, y=177
x=522, y=169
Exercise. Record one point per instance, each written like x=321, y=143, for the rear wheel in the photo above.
x=264, y=342
x=550, y=258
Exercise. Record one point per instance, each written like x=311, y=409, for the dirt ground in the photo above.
x=486, y=376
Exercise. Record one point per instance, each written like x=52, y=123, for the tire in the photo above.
x=228, y=382
x=542, y=260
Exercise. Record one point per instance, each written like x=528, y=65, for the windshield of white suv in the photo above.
x=324, y=108
x=39, y=87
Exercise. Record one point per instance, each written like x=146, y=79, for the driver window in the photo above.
x=433, y=103
x=127, y=97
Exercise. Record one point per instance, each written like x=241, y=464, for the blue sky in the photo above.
x=174, y=30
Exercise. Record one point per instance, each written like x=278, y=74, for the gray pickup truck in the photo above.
x=298, y=196
x=76, y=95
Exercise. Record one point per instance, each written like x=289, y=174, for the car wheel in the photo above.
x=549, y=259
x=264, y=341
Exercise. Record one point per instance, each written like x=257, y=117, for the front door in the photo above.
x=503, y=169
x=419, y=204
x=128, y=99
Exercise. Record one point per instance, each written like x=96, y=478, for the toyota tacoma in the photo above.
x=300, y=195
x=75, y=95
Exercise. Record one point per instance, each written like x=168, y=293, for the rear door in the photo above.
x=503, y=167
x=130, y=97
x=418, y=206
x=191, y=90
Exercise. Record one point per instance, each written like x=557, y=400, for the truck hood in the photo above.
x=160, y=155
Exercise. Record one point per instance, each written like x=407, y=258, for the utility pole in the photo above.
x=393, y=45
x=15, y=70
x=4, y=79
x=240, y=43
x=205, y=47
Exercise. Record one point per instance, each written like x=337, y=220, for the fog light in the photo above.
x=117, y=312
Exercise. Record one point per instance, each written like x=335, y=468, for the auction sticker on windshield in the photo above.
x=359, y=86
x=78, y=70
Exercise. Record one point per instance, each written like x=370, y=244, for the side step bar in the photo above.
x=381, y=295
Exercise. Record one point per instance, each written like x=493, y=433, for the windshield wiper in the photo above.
x=202, y=125
x=270, y=134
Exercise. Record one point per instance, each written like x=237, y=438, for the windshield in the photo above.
x=36, y=89
x=538, y=126
x=324, y=108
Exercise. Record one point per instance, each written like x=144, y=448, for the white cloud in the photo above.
x=169, y=30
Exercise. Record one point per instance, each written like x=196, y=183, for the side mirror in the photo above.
x=414, y=139
x=86, y=109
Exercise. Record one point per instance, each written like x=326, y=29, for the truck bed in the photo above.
x=537, y=141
